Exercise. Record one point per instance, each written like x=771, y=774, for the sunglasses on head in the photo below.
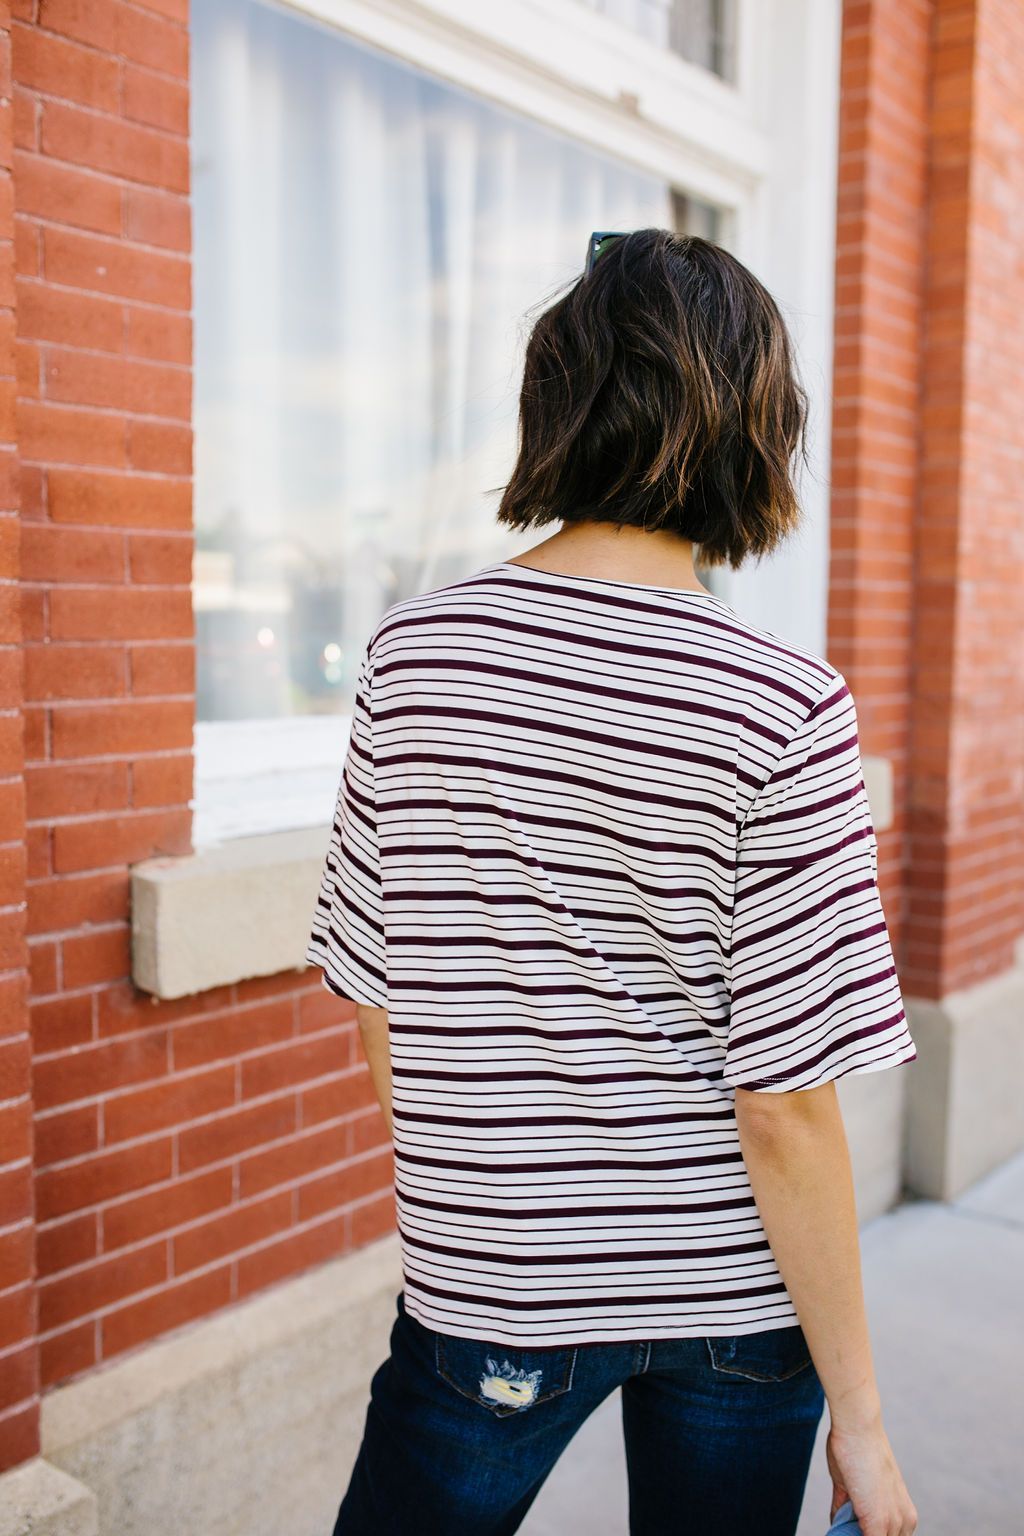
x=598, y=243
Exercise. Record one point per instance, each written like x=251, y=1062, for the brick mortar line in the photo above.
x=176, y=640
x=227, y=1262
x=174, y=1181
x=77, y=819
x=174, y=1076
x=51, y=285
x=121, y=241
x=193, y=1223
x=25, y=1224
x=258, y=1053
x=300, y=989
x=119, y=473
x=94, y=172
x=40, y=93
x=40, y=221
x=82, y=351
x=236, y=1159
x=48, y=584
x=16, y=1349
x=118, y=412
x=18, y=24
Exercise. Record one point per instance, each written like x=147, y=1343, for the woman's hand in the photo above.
x=794, y=1146
x=863, y=1469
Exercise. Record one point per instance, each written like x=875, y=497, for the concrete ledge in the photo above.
x=38, y=1499
x=965, y=1108
x=246, y=1422
x=878, y=781
x=874, y=1110
x=244, y=909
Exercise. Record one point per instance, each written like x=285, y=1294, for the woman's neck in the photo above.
x=619, y=554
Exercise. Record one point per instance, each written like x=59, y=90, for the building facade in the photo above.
x=265, y=274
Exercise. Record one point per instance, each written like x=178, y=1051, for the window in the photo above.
x=698, y=30
x=381, y=196
x=368, y=240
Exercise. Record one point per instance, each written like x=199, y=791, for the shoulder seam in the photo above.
x=819, y=705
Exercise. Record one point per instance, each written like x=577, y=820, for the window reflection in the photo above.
x=368, y=243
x=701, y=31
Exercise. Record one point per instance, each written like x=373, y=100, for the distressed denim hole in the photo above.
x=504, y=1384
x=504, y=1381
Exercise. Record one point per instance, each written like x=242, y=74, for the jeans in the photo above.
x=845, y=1520
x=460, y=1434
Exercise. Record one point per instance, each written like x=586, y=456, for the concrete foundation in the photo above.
x=245, y=1424
x=38, y=1499
x=965, y=1110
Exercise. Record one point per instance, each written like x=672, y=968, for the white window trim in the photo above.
x=569, y=67
x=562, y=64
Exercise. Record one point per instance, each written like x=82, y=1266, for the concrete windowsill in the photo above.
x=878, y=783
x=226, y=914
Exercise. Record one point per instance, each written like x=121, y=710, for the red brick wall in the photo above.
x=927, y=586
x=879, y=311
x=18, y=1359
x=186, y=1154
x=966, y=850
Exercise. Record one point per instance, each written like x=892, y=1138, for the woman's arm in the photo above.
x=373, y=1031
x=794, y=1146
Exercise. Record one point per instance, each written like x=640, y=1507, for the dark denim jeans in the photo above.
x=461, y=1433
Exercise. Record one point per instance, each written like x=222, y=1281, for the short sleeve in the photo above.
x=814, y=990
x=347, y=940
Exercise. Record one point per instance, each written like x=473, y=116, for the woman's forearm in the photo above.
x=373, y=1031
x=795, y=1149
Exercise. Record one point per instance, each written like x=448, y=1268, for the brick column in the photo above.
x=104, y=435
x=928, y=536
x=966, y=894
x=879, y=297
x=19, y=1372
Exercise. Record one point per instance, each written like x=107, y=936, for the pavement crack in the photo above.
x=991, y=1218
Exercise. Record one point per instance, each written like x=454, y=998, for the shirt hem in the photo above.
x=493, y=1331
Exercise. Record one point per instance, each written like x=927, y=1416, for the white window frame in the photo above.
x=571, y=68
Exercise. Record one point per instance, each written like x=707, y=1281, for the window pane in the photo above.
x=692, y=216
x=368, y=243
x=703, y=32
x=700, y=30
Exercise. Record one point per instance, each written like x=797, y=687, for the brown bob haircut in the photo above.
x=660, y=391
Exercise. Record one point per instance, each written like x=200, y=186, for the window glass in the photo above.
x=368, y=243
x=701, y=31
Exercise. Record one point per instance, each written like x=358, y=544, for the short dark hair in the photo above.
x=660, y=391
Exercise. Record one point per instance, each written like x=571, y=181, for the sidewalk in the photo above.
x=945, y=1296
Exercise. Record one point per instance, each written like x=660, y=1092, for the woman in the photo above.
x=603, y=884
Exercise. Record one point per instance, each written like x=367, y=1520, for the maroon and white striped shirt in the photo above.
x=603, y=851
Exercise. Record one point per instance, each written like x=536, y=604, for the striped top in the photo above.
x=604, y=852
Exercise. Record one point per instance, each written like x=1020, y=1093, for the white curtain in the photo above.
x=369, y=243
